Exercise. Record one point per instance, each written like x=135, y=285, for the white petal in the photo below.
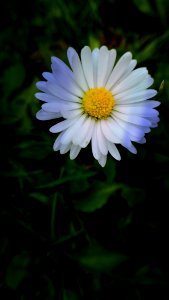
x=131, y=148
x=122, y=135
x=48, y=76
x=60, y=92
x=132, y=80
x=145, y=83
x=89, y=133
x=87, y=64
x=71, y=131
x=65, y=78
x=62, y=126
x=103, y=59
x=119, y=70
x=131, y=66
x=74, y=151
x=95, y=55
x=59, y=65
x=110, y=65
x=57, y=142
x=142, y=141
x=145, y=103
x=154, y=125
x=95, y=147
x=67, y=135
x=77, y=136
x=141, y=110
x=41, y=85
x=43, y=115
x=65, y=148
x=71, y=108
x=71, y=105
x=46, y=97
x=135, y=130
x=102, y=141
x=113, y=151
x=142, y=85
x=132, y=119
x=54, y=99
x=108, y=133
x=85, y=126
x=71, y=114
x=129, y=97
x=135, y=139
x=70, y=53
x=118, y=131
x=153, y=121
x=78, y=72
x=149, y=103
x=102, y=160
x=52, y=107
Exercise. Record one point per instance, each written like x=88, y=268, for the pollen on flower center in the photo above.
x=98, y=103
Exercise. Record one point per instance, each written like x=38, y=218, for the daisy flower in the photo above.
x=98, y=101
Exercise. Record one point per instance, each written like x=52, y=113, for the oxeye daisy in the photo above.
x=99, y=102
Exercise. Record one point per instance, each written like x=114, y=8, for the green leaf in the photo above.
x=50, y=286
x=144, y=6
x=42, y=147
x=93, y=41
x=65, y=179
x=69, y=295
x=17, y=270
x=3, y=245
x=148, y=276
x=133, y=195
x=53, y=215
x=161, y=158
x=97, y=197
x=40, y=197
x=152, y=47
x=125, y=221
x=110, y=170
x=99, y=259
x=13, y=78
x=163, y=10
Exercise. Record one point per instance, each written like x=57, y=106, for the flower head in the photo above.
x=99, y=102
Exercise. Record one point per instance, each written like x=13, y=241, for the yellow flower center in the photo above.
x=98, y=103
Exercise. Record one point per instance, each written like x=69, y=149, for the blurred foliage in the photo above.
x=70, y=229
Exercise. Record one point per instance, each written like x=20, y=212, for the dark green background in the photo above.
x=70, y=229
